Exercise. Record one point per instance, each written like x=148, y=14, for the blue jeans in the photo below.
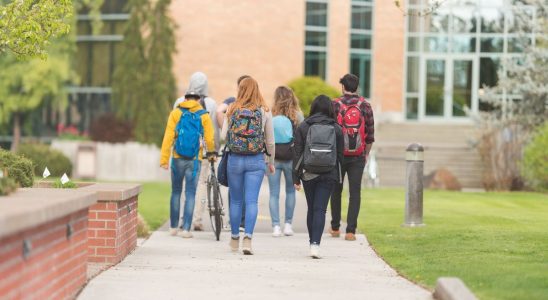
x=245, y=175
x=274, y=181
x=182, y=169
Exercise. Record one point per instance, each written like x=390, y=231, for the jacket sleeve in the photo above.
x=224, y=131
x=298, y=148
x=209, y=132
x=340, y=150
x=169, y=137
x=269, y=138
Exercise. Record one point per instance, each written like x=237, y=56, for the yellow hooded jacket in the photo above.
x=173, y=120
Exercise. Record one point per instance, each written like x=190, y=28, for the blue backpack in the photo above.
x=188, y=134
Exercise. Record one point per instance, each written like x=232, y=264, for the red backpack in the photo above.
x=352, y=120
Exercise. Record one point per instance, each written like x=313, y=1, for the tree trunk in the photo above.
x=16, y=132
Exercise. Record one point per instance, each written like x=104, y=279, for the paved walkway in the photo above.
x=167, y=267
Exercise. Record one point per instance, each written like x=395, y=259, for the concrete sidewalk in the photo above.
x=167, y=267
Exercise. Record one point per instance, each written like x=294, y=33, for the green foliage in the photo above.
x=72, y=137
x=495, y=242
x=18, y=168
x=43, y=156
x=308, y=88
x=57, y=184
x=25, y=85
x=535, y=160
x=27, y=26
x=7, y=186
x=144, y=85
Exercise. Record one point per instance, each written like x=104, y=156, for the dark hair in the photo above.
x=193, y=97
x=322, y=105
x=242, y=78
x=350, y=82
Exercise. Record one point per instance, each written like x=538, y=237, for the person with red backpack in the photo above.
x=355, y=116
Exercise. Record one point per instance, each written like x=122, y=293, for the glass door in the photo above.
x=449, y=86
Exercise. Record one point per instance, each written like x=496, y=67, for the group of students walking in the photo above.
x=314, y=154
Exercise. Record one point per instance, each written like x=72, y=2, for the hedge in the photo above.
x=43, y=156
x=18, y=168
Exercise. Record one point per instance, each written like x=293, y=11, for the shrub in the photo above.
x=57, y=184
x=43, y=156
x=308, y=88
x=7, y=185
x=19, y=168
x=535, y=160
x=108, y=128
x=70, y=133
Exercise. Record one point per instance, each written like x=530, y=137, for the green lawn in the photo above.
x=497, y=243
x=154, y=203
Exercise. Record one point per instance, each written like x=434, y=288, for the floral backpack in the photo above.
x=246, y=133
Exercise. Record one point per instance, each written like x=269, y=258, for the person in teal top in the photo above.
x=287, y=116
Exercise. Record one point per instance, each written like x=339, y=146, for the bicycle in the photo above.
x=214, y=201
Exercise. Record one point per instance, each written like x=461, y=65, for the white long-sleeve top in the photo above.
x=268, y=134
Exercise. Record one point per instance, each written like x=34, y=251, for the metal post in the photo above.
x=414, y=157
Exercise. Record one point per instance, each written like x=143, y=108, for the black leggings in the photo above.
x=317, y=191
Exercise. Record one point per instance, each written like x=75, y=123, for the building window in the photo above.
x=453, y=53
x=96, y=60
x=361, y=32
x=315, y=55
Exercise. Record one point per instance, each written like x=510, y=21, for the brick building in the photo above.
x=421, y=74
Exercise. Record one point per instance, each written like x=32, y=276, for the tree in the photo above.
x=37, y=33
x=27, y=26
x=518, y=103
x=144, y=86
x=431, y=7
x=24, y=85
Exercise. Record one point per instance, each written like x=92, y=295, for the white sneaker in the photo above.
x=276, y=231
x=173, y=231
x=186, y=234
x=315, y=251
x=288, y=230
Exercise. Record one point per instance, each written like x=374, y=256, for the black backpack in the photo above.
x=320, y=151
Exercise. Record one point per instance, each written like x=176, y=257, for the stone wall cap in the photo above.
x=452, y=288
x=114, y=191
x=30, y=207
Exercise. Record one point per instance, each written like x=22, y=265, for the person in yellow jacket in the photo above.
x=185, y=168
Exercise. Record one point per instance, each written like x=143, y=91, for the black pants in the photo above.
x=353, y=166
x=317, y=193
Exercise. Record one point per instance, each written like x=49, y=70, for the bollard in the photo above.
x=414, y=156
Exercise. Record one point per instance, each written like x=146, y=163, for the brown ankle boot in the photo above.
x=350, y=236
x=246, y=246
x=234, y=244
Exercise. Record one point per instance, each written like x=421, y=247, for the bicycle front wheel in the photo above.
x=216, y=216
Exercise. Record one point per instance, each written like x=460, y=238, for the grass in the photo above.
x=154, y=203
x=497, y=243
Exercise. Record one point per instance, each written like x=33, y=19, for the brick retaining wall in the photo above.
x=112, y=230
x=56, y=263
